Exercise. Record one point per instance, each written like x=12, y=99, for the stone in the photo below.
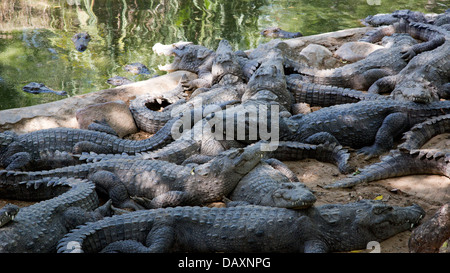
x=115, y=113
x=355, y=51
x=318, y=56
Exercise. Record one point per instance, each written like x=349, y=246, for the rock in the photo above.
x=115, y=113
x=355, y=51
x=318, y=56
x=62, y=113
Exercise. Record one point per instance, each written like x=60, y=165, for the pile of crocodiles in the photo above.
x=224, y=136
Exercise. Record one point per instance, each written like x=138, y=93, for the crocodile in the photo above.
x=370, y=125
x=164, y=183
x=227, y=85
x=397, y=163
x=39, y=227
x=49, y=148
x=325, y=95
x=118, y=80
x=327, y=228
x=264, y=101
x=39, y=88
x=394, y=17
x=420, y=133
x=362, y=74
x=268, y=184
x=136, y=68
x=427, y=74
x=190, y=57
x=81, y=41
x=276, y=32
x=152, y=120
x=431, y=235
x=8, y=213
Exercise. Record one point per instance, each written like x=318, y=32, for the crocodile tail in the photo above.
x=328, y=152
x=95, y=236
x=325, y=95
x=146, y=119
x=420, y=133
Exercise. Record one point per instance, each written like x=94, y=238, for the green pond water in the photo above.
x=36, y=46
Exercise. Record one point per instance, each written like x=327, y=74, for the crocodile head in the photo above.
x=290, y=195
x=81, y=41
x=8, y=213
x=225, y=67
x=187, y=56
x=232, y=163
x=419, y=91
x=352, y=226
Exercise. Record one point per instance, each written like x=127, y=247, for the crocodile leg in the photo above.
x=109, y=183
x=18, y=160
x=393, y=125
x=383, y=85
x=321, y=137
x=281, y=167
x=159, y=239
x=87, y=146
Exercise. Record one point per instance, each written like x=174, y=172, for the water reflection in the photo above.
x=35, y=36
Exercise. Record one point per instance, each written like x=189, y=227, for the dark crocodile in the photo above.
x=432, y=234
x=397, y=164
x=420, y=133
x=8, y=213
x=325, y=95
x=394, y=17
x=362, y=74
x=328, y=228
x=55, y=147
x=187, y=56
x=164, y=183
x=39, y=88
x=276, y=32
x=425, y=77
x=37, y=228
x=81, y=41
x=371, y=126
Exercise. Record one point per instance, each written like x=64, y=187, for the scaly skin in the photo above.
x=325, y=95
x=420, y=133
x=425, y=77
x=362, y=74
x=187, y=56
x=328, y=228
x=399, y=164
x=372, y=125
x=164, y=183
x=266, y=91
x=266, y=185
x=37, y=228
x=50, y=148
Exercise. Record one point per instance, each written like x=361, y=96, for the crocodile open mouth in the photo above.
x=157, y=105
